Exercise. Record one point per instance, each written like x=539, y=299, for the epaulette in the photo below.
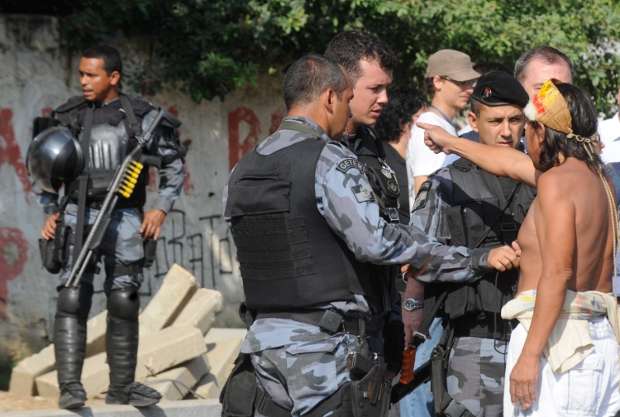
x=142, y=107
x=463, y=165
x=73, y=103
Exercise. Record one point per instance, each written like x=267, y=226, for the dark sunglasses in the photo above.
x=462, y=84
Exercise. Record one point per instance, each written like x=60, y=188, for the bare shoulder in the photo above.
x=555, y=183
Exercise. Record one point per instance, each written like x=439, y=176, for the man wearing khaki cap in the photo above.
x=450, y=80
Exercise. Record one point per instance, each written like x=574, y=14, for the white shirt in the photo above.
x=421, y=161
x=609, y=130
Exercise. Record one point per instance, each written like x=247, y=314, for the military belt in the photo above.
x=330, y=321
x=491, y=327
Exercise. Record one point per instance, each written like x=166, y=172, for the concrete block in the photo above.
x=201, y=309
x=222, y=349
x=191, y=408
x=178, y=287
x=24, y=374
x=176, y=382
x=157, y=352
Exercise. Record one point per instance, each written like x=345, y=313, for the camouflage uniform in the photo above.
x=475, y=376
x=296, y=363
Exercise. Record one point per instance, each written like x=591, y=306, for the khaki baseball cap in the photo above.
x=455, y=65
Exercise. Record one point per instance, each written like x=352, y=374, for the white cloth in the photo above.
x=590, y=389
x=609, y=130
x=569, y=342
x=421, y=161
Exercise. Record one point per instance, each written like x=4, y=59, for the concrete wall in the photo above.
x=36, y=75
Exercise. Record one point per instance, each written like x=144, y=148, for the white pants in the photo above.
x=590, y=389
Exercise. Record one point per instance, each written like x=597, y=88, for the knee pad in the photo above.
x=75, y=301
x=124, y=304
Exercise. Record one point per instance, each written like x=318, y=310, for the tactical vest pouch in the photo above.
x=370, y=396
x=239, y=393
x=150, y=252
x=48, y=256
x=246, y=196
x=54, y=251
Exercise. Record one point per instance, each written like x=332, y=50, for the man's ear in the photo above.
x=472, y=119
x=329, y=99
x=437, y=82
x=115, y=78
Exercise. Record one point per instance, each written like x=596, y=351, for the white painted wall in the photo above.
x=37, y=74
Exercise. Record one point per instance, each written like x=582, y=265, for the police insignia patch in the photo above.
x=422, y=196
x=362, y=194
x=346, y=164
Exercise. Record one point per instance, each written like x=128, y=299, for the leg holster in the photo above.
x=72, y=310
x=239, y=393
x=444, y=404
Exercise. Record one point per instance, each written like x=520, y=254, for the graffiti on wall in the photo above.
x=237, y=147
x=10, y=152
x=13, y=257
x=207, y=253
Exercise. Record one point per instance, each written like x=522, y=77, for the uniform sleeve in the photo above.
x=166, y=145
x=346, y=201
x=428, y=215
x=49, y=202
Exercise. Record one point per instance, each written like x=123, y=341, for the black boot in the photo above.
x=122, y=351
x=70, y=343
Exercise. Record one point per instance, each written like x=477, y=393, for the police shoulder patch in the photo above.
x=346, y=164
x=422, y=196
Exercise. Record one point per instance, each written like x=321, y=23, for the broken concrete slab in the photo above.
x=157, y=352
x=200, y=310
x=178, y=287
x=222, y=349
x=25, y=372
x=175, y=383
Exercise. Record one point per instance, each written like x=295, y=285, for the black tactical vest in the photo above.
x=288, y=255
x=484, y=211
x=112, y=137
x=378, y=281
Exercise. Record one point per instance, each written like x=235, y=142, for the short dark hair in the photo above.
x=547, y=53
x=584, y=123
x=309, y=76
x=403, y=103
x=348, y=48
x=110, y=56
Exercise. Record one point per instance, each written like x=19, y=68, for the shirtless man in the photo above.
x=554, y=366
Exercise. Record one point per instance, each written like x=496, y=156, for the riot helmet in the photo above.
x=54, y=157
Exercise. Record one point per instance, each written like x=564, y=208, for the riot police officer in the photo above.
x=107, y=122
x=462, y=204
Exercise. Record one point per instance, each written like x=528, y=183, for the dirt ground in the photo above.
x=10, y=402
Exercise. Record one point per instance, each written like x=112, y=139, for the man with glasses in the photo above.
x=450, y=80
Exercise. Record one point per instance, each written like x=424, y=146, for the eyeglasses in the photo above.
x=462, y=84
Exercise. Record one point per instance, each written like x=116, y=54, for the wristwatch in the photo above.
x=411, y=304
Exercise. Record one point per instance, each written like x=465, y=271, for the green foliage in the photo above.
x=211, y=47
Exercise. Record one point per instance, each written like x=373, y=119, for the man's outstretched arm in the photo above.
x=500, y=161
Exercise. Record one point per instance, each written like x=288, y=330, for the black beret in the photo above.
x=498, y=88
